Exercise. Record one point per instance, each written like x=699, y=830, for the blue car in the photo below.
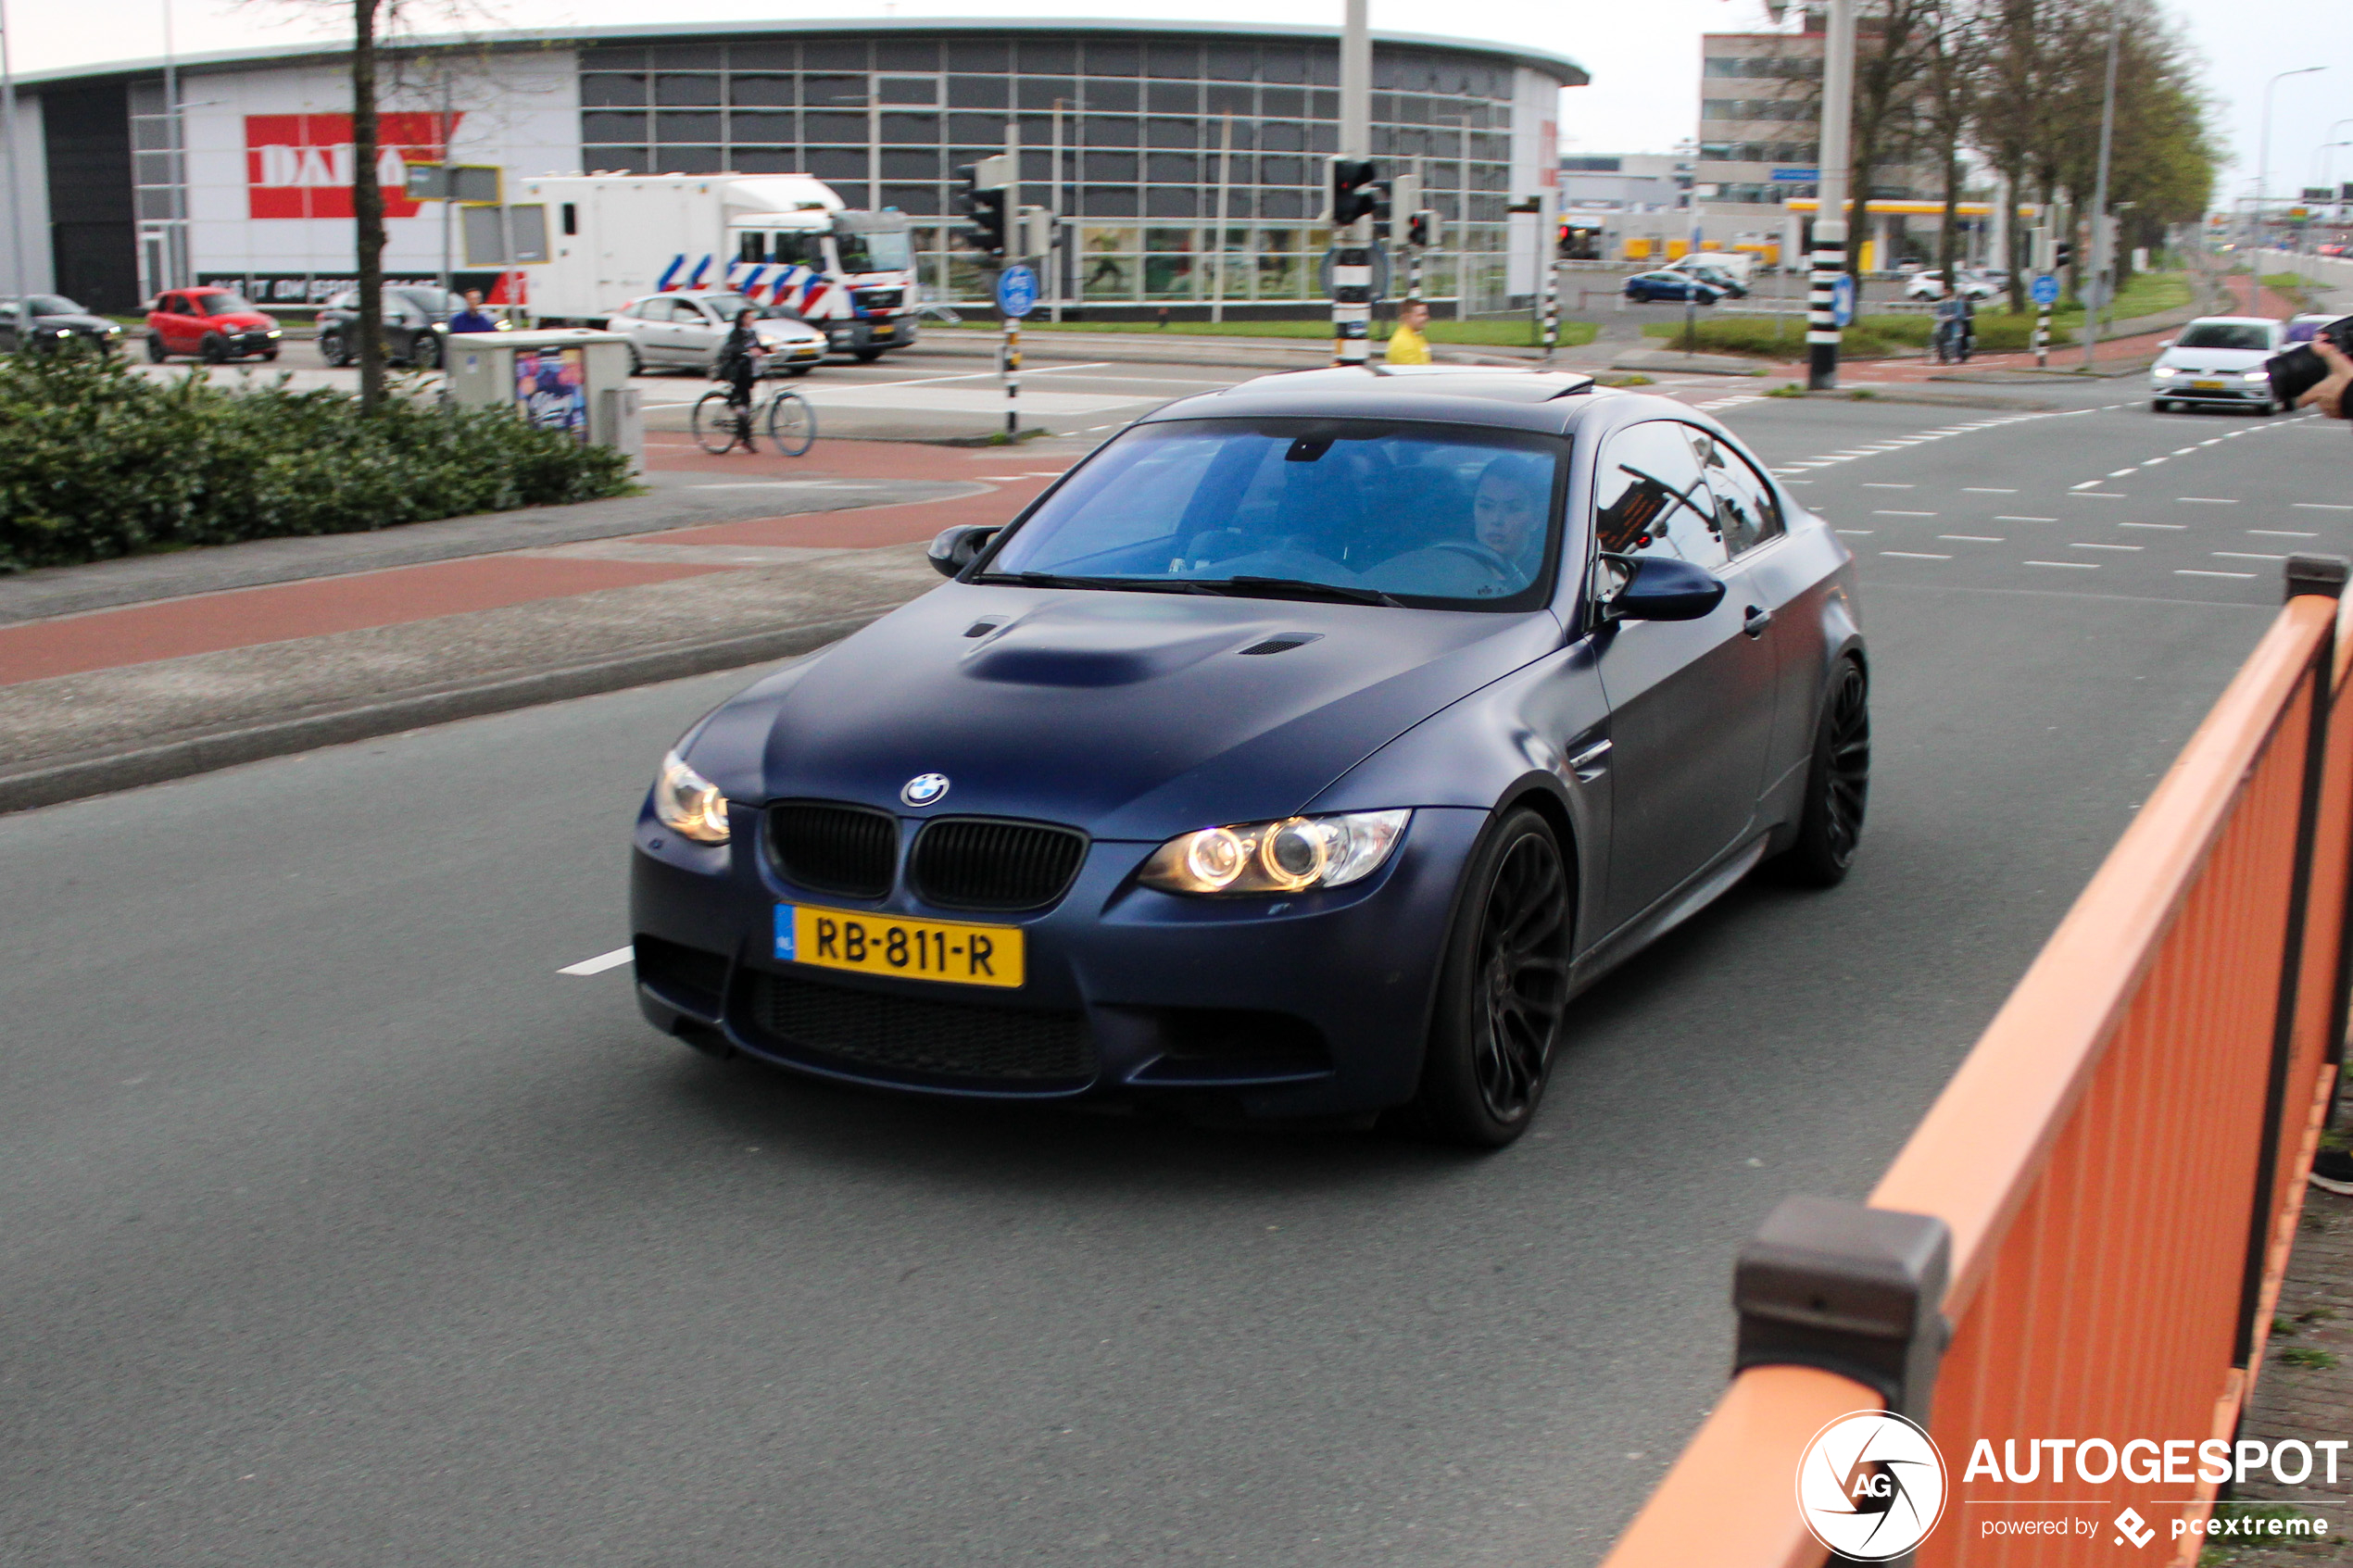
x=1300, y=754
x=1643, y=287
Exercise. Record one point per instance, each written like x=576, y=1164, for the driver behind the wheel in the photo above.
x=1507, y=510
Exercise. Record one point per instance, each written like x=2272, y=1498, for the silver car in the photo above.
x=2218, y=360
x=684, y=330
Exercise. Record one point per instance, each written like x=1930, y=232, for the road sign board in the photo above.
x=2044, y=291
x=1017, y=291
x=1794, y=175
x=1843, y=299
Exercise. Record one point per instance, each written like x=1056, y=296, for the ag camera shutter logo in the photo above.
x=1870, y=1485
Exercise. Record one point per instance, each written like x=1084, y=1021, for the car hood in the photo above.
x=81, y=322
x=1130, y=715
x=242, y=320
x=2214, y=358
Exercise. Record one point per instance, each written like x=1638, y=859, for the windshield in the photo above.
x=873, y=251
x=432, y=302
x=219, y=302
x=52, y=304
x=2226, y=334
x=728, y=305
x=1435, y=514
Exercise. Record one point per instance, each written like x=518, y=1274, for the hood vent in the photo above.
x=1282, y=642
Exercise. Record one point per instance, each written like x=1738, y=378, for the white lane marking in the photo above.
x=2205, y=501
x=2192, y=571
x=1855, y=533
x=2026, y=520
x=2183, y=451
x=2107, y=547
x=1903, y=514
x=2243, y=555
x=1972, y=538
x=1912, y=555
x=2079, y=565
x=2319, y=506
x=2282, y=533
x=2081, y=493
x=1984, y=490
x=2168, y=527
x=601, y=962
x=1869, y=484
x=2121, y=473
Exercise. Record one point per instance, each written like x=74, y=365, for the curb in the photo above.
x=106, y=772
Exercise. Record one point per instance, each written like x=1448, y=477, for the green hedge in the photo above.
x=97, y=461
x=1869, y=337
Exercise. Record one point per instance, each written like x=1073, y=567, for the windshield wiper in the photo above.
x=1128, y=585
x=1300, y=588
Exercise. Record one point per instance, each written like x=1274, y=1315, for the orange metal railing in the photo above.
x=2119, y=1162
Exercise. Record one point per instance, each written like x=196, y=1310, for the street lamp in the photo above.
x=2263, y=158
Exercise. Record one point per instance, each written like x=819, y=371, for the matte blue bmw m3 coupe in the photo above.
x=1300, y=754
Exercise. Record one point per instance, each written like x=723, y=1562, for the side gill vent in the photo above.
x=981, y=628
x=1283, y=642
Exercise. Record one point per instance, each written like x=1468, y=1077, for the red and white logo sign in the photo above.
x=300, y=165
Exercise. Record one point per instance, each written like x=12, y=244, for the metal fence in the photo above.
x=2098, y=1208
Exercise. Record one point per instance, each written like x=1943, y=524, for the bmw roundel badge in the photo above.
x=924, y=789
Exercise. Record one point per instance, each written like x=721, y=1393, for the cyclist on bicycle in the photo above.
x=1956, y=328
x=739, y=360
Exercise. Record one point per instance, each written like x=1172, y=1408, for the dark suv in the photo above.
x=54, y=320
x=413, y=317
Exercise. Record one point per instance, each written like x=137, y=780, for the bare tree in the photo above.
x=1953, y=50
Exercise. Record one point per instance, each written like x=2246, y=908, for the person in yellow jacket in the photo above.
x=1406, y=344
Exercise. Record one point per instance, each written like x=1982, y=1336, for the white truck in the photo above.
x=784, y=240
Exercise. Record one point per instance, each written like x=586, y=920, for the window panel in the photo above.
x=838, y=163
x=846, y=127
x=1039, y=92
x=1048, y=57
x=835, y=54
x=1648, y=498
x=1745, y=505
x=761, y=92
x=977, y=92
x=1113, y=96
x=1173, y=168
x=766, y=160
x=1224, y=98
x=1109, y=166
x=612, y=87
x=684, y=128
x=832, y=92
x=1108, y=130
x=1173, y=97
x=774, y=129
x=1172, y=132
x=613, y=56
x=907, y=54
x=689, y=161
x=687, y=56
x=1110, y=201
x=617, y=160
x=912, y=128
x=910, y=163
x=979, y=55
x=685, y=90
x=977, y=130
x=764, y=56
x=1229, y=62
x=1105, y=57
x=608, y=126
x=919, y=201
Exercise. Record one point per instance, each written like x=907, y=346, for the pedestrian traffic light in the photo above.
x=983, y=201
x=1354, y=192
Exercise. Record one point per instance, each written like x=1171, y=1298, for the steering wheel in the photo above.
x=1504, y=571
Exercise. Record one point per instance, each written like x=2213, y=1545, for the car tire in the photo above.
x=2160, y=406
x=1503, y=993
x=795, y=369
x=868, y=356
x=157, y=354
x=1838, y=780
x=426, y=353
x=269, y=356
x=332, y=349
x=214, y=349
x=636, y=362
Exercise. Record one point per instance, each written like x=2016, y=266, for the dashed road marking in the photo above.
x=2192, y=571
x=1912, y=555
x=2282, y=533
x=601, y=962
x=2096, y=495
x=1984, y=490
x=2206, y=500
x=2168, y=527
x=1882, y=484
x=2243, y=555
x=1903, y=514
x=2107, y=546
x=1973, y=539
x=2319, y=506
x=2026, y=520
x=1855, y=532
x=2078, y=565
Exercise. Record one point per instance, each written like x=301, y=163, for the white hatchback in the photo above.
x=2218, y=360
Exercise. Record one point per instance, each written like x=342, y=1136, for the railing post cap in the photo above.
x=1855, y=1290
x=2317, y=574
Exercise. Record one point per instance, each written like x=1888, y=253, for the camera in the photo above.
x=2300, y=369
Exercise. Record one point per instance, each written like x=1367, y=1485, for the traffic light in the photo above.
x=1354, y=192
x=2064, y=255
x=1422, y=228
x=983, y=200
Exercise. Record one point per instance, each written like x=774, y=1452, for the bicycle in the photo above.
x=721, y=424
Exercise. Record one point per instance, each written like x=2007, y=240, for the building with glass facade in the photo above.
x=1160, y=151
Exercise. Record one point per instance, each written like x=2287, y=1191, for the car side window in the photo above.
x=171, y=305
x=1650, y=498
x=1745, y=506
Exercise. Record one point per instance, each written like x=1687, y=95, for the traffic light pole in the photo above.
x=1351, y=236
x=1830, y=210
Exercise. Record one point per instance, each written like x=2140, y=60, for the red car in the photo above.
x=216, y=325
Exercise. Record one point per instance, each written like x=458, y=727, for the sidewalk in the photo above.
x=128, y=672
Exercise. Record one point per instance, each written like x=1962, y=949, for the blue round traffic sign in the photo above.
x=1017, y=291
x=1843, y=299
x=2045, y=290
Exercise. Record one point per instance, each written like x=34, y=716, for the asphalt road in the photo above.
x=345, y=1229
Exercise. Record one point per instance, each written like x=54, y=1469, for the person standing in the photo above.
x=1406, y=344
x=473, y=317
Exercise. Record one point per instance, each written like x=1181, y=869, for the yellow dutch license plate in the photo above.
x=884, y=332
x=2206, y=386
x=911, y=949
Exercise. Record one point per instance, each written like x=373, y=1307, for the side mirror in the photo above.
x=1661, y=588
x=958, y=548
x=2164, y=344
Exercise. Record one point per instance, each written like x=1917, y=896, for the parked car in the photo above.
x=1643, y=287
x=2218, y=360
x=416, y=320
x=54, y=320
x=1930, y=285
x=682, y=331
x=217, y=325
x=1302, y=752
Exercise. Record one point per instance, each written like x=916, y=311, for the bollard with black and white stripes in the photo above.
x=1351, y=304
x=1821, y=320
x=1552, y=307
x=1012, y=352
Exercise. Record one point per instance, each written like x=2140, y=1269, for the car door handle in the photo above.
x=1756, y=619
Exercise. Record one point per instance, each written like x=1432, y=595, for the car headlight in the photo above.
x=688, y=804
x=1290, y=856
x=2256, y=375
x=2162, y=371
x=277, y=332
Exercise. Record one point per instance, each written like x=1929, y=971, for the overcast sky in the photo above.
x=1643, y=58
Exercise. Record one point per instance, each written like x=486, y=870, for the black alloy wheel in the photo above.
x=1504, y=991
x=214, y=349
x=332, y=349
x=156, y=352
x=1837, y=785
